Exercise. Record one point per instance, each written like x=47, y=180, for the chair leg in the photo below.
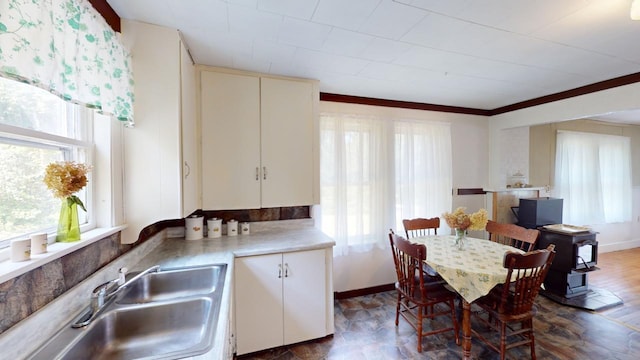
x=503, y=340
x=421, y=309
x=532, y=338
x=398, y=307
x=454, y=318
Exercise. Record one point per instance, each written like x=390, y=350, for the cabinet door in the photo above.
x=258, y=300
x=305, y=297
x=287, y=142
x=230, y=105
x=190, y=149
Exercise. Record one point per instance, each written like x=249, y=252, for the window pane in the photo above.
x=25, y=203
x=29, y=107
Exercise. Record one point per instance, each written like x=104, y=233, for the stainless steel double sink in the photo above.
x=170, y=314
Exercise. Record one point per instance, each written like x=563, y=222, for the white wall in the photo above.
x=470, y=150
x=513, y=154
x=611, y=237
x=617, y=99
x=152, y=148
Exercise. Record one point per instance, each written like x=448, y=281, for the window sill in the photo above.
x=10, y=270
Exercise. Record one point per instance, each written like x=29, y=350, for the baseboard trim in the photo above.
x=339, y=295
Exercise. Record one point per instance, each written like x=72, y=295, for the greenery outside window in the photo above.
x=37, y=128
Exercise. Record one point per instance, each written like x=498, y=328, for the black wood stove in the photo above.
x=576, y=256
x=567, y=279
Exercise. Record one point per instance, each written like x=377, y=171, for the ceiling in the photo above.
x=481, y=54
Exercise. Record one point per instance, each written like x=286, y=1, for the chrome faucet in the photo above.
x=122, y=286
x=103, y=294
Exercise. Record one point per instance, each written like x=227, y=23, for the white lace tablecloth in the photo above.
x=473, y=271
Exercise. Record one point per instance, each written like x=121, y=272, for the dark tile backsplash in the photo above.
x=27, y=293
x=267, y=214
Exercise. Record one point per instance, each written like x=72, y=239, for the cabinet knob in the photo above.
x=286, y=270
x=279, y=271
x=257, y=173
x=264, y=173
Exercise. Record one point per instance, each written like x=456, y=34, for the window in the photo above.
x=37, y=128
x=593, y=177
x=375, y=172
x=423, y=169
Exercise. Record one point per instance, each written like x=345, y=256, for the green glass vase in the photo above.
x=461, y=237
x=68, y=224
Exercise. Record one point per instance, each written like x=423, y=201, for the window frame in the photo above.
x=107, y=201
x=83, y=119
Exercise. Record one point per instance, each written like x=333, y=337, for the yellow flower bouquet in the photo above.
x=64, y=179
x=462, y=221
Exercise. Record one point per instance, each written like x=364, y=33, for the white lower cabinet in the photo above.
x=282, y=299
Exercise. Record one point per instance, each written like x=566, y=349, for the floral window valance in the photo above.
x=67, y=48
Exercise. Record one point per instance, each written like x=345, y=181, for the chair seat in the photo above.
x=491, y=303
x=430, y=279
x=436, y=292
x=431, y=271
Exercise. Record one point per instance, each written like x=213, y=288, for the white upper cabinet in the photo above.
x=165, y=134
x=230, y=106
x=189, y=136
x=287, y=135
x=259, y=140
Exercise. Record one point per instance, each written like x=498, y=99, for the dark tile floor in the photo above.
x=365, y=329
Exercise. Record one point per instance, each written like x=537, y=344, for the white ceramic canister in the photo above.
x=38, y=243
x=214, y=227
x=193, y=227
x=232, y=228
x=20, y=250
x=245, y=228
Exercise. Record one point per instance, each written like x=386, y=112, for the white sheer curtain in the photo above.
x=354, y=180
x=362, y=193
x=423, y=169
x=593, y=176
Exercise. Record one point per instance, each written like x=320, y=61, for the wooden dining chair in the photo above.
x=417, y=298
x=512, y=235
x=420, y=226
x=509, y=308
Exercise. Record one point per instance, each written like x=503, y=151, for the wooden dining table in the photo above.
x=471, y=271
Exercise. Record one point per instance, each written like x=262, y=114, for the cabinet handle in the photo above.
x=279, y=271
x=264, y=173
x=188, y=168
x=257, y=173
x=286, y=270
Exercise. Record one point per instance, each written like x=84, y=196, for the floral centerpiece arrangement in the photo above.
x=65, y=178
x=461, y=222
